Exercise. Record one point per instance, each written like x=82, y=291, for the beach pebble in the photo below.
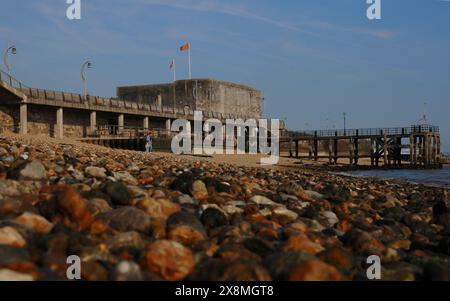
x=169, y=259
x=126, y=219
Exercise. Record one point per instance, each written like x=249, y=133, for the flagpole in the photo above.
x=189, y=54
x=174, y=71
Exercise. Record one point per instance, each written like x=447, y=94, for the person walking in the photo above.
x=149, y=143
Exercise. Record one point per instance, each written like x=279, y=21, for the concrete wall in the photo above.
x=199, y=94
x=42, y=121
x=9, y=117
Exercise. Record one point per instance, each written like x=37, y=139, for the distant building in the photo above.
x=206, y=95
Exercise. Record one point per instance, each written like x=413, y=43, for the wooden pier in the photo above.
x=415, y=146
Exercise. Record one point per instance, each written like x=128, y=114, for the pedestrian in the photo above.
x=149, y=143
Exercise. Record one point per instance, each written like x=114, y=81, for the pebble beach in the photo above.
x=133, y=216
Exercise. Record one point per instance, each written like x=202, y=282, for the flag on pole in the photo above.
x=185, y=47
x=173, y=67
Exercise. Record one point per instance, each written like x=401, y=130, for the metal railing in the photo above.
x=10, y=80
x=362, y=132
x=109, y=102
x=108, y=131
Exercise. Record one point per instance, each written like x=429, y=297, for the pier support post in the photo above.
x=59, y=133
x=385, y=149
x=23, y=119
x=168, y=126
x=310, y=150
x=330, y=151
x=411, y=149
x=336, y=151
x=93, y=122
x=290, y=149
x=145, y=124
x=398, y=151
x=438, y=149
x=350, y=151
x=121, y=123
x=316, y=149
x=372, y=152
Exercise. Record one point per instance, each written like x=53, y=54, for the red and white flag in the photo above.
x=187, y=47
x=173, y=67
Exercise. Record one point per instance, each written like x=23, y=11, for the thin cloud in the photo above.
x=211, y=6
x=378, y=33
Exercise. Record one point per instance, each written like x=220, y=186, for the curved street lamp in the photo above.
x=12, y=50
x=86, y=65
x=345, y=122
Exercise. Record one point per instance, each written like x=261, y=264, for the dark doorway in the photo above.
x=113, y=125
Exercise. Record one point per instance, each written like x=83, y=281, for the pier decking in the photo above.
x=417, y=145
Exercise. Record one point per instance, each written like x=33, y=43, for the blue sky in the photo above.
x=312, y=59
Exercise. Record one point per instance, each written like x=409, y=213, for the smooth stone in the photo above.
x=125, y=241
x=301, y=242
x=285, y=213
x=97, y=206
x=236, y=270
x=213, y=218
x=199, y=190
x=281, y=264
x=328, y=218
x=127, y=271
x=259, y=246
x=95, y=172
x=314, y=194
x=127, y=219
x=7, y=189
x=185, y=228
x=28, y=170
x=10, y=275
x=3, y=152
x=118, y=192
x=185, y=199
x=39, y=223
x=12, y=255
x=169, y=259
x=10, y=236
x=263, y=201
x=314, y=270
x=74, y=205
x=93, y=271
x=159, y=208
x=126, y=177
x=230, y=210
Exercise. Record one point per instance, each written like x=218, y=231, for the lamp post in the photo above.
x=345, y=123
x=12, y=50
x=86, y=65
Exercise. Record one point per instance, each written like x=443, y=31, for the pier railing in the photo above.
x=10, y=80
x=67, y=97
x=363, y=132
x=115, y=131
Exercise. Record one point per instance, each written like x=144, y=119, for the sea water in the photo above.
x=434, y=177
